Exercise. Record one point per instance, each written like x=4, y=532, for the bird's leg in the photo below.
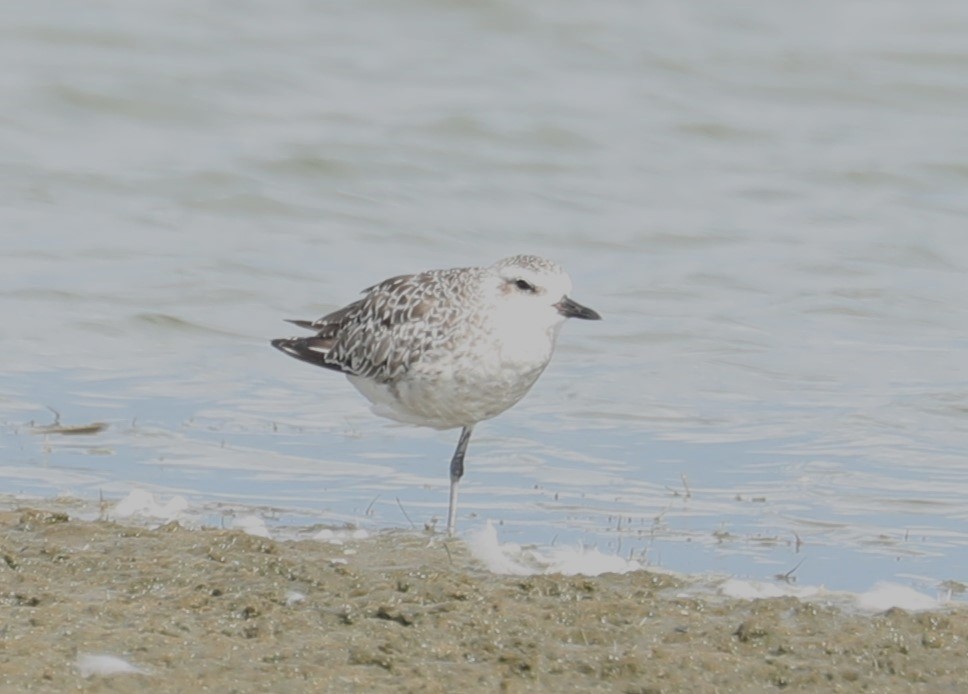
x=456, y=472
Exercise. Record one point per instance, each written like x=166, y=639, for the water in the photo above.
x=766, y=203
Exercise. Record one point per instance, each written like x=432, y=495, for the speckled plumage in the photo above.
x=446, y=348
x=395, y=323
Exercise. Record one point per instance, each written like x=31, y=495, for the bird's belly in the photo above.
x=439, y=394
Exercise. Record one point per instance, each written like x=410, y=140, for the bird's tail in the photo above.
x=313, y=350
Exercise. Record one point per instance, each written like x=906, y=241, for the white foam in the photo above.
x=885, y=595
x=485, y=547
x=138, y=502
x=251, y=525
x=294, y=597
x=90, y=664
x=510, y=558
x=882, y=596
x=339, y=537
x=753, y=590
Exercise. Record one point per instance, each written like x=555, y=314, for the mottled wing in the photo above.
x=395, y=323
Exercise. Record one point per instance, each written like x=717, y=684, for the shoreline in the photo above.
x=190, y=609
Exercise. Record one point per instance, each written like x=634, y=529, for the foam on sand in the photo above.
x=91, y=664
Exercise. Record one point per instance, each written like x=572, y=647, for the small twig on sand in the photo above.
x=369, y=509
x=405, y=514
x=788, y=577
x=58, y=428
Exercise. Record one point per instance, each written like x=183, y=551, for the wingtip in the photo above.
x=301, y=323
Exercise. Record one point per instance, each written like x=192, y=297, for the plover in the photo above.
x=446, y=348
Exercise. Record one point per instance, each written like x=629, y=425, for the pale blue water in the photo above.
x=767, y=204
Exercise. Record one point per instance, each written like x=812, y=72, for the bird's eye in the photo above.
x=524, y=285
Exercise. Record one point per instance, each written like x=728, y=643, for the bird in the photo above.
x=446, y=349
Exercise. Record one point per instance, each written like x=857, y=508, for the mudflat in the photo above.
x=217, y=610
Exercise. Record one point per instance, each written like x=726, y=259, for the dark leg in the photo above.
x=456, y=472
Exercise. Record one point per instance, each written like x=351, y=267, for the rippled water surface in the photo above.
x=766, y=202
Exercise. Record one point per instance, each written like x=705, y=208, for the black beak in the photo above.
x=572, y=309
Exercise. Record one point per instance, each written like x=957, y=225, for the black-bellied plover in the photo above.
x=446, y=348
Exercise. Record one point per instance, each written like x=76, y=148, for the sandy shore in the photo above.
x=216, y=610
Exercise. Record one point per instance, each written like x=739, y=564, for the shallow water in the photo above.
x=766, y=204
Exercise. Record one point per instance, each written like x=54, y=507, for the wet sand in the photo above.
x=216, y=610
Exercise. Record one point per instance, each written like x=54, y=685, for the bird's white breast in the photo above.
x=476, y=380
